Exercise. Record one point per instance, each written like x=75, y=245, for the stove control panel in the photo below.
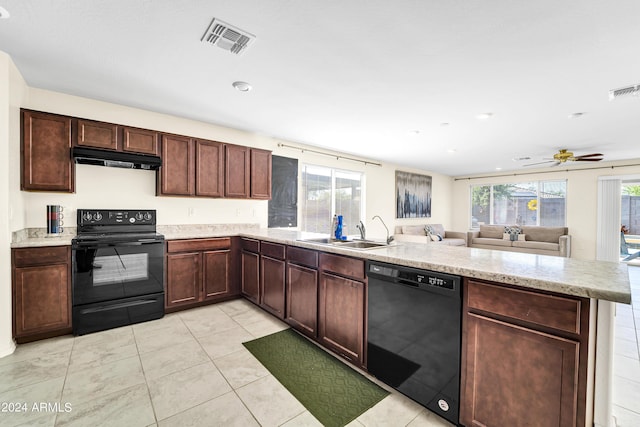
x=116, y=217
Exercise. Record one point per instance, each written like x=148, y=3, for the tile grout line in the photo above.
x=146, y=382
x=64, y=383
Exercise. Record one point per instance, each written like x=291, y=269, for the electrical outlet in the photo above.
x=237, y=212
x=192, y=211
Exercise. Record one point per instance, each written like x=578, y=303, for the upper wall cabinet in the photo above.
x=108, y=136
x=237, y=168
x=46, y=153
x=140, y=141
x=97, y=135
x=191, y=167
x=260, y=174
x=248, y=172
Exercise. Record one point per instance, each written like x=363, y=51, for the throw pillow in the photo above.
x=428, y=230
x=506, y=236
x=436, y=237
x=512, y=231
x=521, y=237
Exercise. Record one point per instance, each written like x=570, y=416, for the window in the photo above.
x=326, y=192
x=523, y=203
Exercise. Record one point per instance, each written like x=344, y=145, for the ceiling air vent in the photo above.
x=624, y=91
x=227, y=37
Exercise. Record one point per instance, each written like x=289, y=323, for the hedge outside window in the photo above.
x=522, y=203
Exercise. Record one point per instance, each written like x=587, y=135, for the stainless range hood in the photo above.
x=118, y=159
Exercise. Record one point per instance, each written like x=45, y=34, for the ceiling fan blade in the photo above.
x=556, y=164
x=586, y=160
x=539, y=163
x=588, y=155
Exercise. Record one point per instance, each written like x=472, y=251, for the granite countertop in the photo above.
x=591, y=279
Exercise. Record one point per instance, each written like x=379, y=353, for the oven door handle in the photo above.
x=117, y=306
x=112, y=244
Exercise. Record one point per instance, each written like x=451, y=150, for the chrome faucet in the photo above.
x=389, y=238
x=362, y=231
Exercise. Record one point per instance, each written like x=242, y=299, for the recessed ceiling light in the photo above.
x=498, y=168
x=242, y=86
x=452, y=151
x=576, y=115
x=4, y=13
x=484, y=116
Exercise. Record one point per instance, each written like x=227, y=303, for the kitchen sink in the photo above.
x=351, y=244
x=363, y=245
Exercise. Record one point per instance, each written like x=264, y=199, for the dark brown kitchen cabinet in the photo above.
x=109, y=136
x=341, y=314
x=191, y=167
x=272, y=278
x=302, y=290
x=250, y=269
x=237, y=171
x=141, y=141
x=260, y=174
x=41, y=292
x=97, y=135
x=46, y=153
x=524, y=357
x=209, y=168
x=177, y=173
x=198, y=271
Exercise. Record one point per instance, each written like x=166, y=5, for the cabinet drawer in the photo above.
x=301, y=256
x=251, y=245
x=344, y=266
x=25, y=257
x=545, y=310
x=273, y=250
x=198, y=245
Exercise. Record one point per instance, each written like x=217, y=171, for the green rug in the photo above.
x=333, y=392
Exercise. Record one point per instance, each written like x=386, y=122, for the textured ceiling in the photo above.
x=359, y=76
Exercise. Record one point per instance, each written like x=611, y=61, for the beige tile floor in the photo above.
x=190, y=369
x=187, y=369
x=626, y=360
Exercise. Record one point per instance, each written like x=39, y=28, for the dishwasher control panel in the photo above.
x=414, y=277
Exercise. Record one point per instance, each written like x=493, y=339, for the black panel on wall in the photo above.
x=283, y=206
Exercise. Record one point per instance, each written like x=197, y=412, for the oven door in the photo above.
x=109, y=271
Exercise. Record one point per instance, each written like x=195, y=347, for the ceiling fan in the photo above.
x=564, y=155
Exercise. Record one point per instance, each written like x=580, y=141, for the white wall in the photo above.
x=11, y=84
x=100, y=187
x=582, y=189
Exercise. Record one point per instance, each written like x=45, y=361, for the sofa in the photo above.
x=534, y=239
x=437, y=234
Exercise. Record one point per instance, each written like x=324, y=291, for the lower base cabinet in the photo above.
x=41, y=292
x=341, y=312
x=198, y=270
x=524, y=358
x=250, y=270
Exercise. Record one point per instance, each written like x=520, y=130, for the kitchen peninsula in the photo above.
x=514, y=304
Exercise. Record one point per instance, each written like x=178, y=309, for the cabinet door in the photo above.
x=97, y=135
x=251, y=276
x=260, y=174
x=41, y=299
x=176, y=173
x=46, y=153
x=140, y=141
x=183, y=278
x=302, y=299
x=209, y=168
x=515, y=376
x=237, y=164
x=272, y=273
x=341, y=317
x=216, y=273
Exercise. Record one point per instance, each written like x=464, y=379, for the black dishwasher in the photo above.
x=414, y=334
